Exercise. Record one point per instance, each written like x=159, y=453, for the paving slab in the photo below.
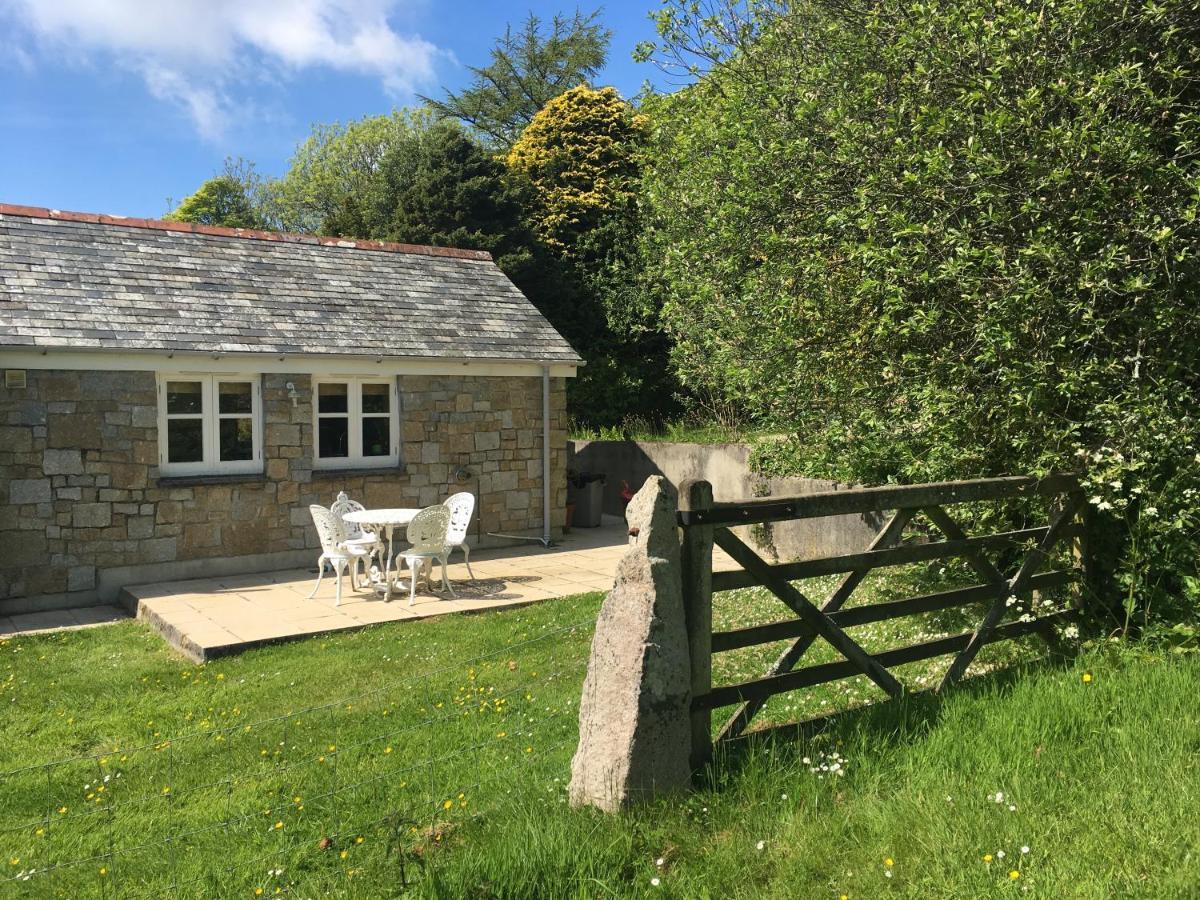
x=209, y=617
x=60, y=620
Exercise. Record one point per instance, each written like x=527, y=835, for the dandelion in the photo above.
x=1012, y=808
x=447, y=804
x=103, y=871
x=999, y=854
x=278, y=825
x=888, y=862
x=655, y=882
x=258, y=892
x=1025, y=849
x=887, y=873
x=1087, y=677
x=999, y=798
x=1014, y=874
x=344, y=854
x=987, y=857
x=760, y=845
x=659, y=862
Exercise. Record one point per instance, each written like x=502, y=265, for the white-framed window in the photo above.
x=356, y=423
x=209, y=424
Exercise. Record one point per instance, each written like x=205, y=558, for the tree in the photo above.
x=336, y=168
x=947, y=240
x=577, y=157
x=529, y=68
x=228, y=199
x=434, y=185
x=576, y=163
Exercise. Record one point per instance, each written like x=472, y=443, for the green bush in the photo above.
x=946, y=240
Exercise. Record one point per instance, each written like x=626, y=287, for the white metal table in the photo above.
x=385, y=521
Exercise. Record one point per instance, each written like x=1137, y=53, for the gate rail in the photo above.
x=705, y=523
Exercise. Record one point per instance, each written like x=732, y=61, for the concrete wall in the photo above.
x=83, y=510
x=727, y=468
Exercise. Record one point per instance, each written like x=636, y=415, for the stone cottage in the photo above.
x=176, y=395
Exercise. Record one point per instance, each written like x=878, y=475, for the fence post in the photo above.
x=696, y=561
x=1095, y=582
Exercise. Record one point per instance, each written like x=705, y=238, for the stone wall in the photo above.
x=83, y=510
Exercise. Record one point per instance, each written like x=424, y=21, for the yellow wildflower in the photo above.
x=1014, y=874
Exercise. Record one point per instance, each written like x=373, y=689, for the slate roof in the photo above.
x=81, y=281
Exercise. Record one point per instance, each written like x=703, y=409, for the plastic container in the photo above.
x=586, y=491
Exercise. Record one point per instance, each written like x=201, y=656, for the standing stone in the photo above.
x=634, y=730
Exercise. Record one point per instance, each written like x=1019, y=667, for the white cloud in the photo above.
x=195, y=53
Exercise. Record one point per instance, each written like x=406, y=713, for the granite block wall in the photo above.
x=81, y=497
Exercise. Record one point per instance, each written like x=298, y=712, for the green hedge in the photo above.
x=947, y=240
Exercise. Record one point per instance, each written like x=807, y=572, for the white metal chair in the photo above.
x=461, y=506
x=335, y=550
x=356, y=535
x=427, y=534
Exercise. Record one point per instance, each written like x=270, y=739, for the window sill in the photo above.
x=194, y=480
x=319, y=474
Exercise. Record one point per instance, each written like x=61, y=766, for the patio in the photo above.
x=209, y=617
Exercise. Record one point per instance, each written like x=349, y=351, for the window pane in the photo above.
x=376, y=398
x=236, y=439
x=376, y=436
x=234, y=397
x=184, y=397
x=333, y=437
x=332, y=398
x=185, y=440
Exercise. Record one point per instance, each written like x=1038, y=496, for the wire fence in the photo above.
x=372, y=786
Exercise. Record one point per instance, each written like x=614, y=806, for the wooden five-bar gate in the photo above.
x=705, y=523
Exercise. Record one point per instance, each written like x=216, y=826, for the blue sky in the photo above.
x=115, y=105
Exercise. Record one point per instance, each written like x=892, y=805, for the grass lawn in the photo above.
x=432, y=758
